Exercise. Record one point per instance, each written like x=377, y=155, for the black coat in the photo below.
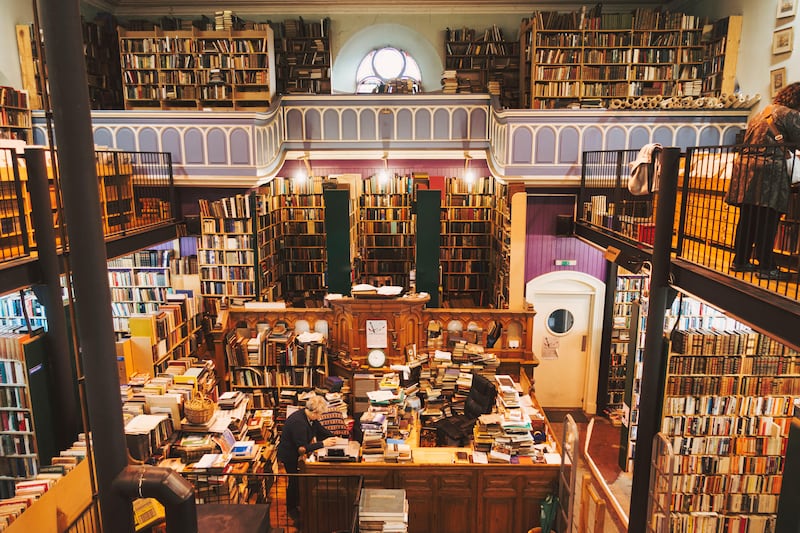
x=298, y=431
x=759, y=175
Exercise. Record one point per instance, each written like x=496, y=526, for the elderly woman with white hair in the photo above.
x=301, y=434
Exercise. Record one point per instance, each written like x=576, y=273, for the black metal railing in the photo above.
x=328, y=504
x=607, y=205
x=708, y=222
x=15, y=238
x=705, y=222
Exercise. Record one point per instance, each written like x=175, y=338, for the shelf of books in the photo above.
x=728, y=405
x=299, y=213
x=501, y=244
x=226, y=252
x=139, y=283
x=720, y=56
x=466, y=247
x=273, y=361
x=629, y=412
x=386, y=230
x=169, y=333
x=484, y=62
x=588, y=58
x=198, y=69
x=629, y=290
x=303, y=55
x=18, y=459
x=15, y=115
x=20, y=309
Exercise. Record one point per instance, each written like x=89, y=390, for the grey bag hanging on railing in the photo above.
x=645, y=170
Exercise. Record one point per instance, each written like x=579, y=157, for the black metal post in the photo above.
x=654, y=364
x=65, y=401
x=72, y=116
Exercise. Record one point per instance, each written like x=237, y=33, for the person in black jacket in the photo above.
x=301, y=435
x=760, y=184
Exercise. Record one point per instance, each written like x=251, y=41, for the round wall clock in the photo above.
x=376, y=358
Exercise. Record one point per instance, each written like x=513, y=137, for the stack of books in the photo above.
x=383, y=510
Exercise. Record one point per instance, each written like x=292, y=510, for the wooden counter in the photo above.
x=445, y=497
x=449, y=498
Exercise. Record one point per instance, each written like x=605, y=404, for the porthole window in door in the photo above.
x=560, y=321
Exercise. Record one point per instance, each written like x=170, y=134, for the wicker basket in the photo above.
x=199, y=410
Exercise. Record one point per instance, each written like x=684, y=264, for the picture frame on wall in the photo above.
x=782, y=41
x=777, y=80
x=786, y=8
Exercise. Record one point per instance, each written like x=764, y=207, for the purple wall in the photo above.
x=544, y=247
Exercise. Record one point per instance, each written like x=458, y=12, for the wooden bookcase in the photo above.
x=139, y=283
x=303, y=55
x=262, y=363
x=15, y=115
x=291, y=240
x=721, y=54
x=115, y=182
x=386, y=230
x=101, y=50
x=466, y=250
x=227, y=250
x=198, y=69
x=728, y=407
x=587, y=59
x=485, y=62
x=633, y=383
x=19, y=459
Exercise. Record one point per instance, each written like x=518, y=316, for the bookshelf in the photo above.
x=303, y=55
x=274, y=362
x=198, y=69
x=484, y=62
x=15, y=115
x=722, y=52
x=101, y=51
x=633, y=382
x=18, y=459
x=629, y=289
x=14, y=307
x=728, y=405
x=291, y=240
x=466, y=249
x=226, y=253
x=587, y=58
x=115, y=182
x=139, y=283
x=386, y=230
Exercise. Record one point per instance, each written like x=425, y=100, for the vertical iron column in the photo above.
x=654, y=364
x=68, y=422
x=72, y=116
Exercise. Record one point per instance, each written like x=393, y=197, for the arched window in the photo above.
x=387, y=67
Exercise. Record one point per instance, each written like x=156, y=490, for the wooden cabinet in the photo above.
x=450, y=498
x=198, y=69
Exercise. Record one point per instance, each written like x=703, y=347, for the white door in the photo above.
x=561, y=342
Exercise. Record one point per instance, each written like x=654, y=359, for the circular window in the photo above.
x=560, y=321
x=386, y=65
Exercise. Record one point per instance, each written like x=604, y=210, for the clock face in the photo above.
x=376, y=358
x=377, y=333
